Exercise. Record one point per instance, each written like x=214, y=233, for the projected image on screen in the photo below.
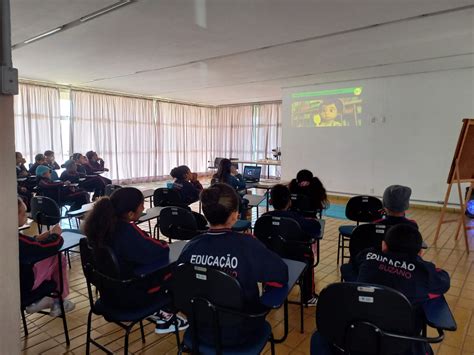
x=327, y=108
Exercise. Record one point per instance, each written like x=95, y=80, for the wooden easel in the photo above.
x=462, y=171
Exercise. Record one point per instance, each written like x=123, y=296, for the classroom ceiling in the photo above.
x=234, y=51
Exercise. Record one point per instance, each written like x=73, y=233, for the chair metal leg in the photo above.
x=23, y=318
x=272, y=344
x=63, y=316
x=142, y=331
x=301, y=309
x=338, y=247
x=68, y=258
x=127, y=333
x=88, y=335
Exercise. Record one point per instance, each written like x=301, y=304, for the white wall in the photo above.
x=411, y=141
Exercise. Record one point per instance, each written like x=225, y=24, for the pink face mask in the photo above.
x=304, y=183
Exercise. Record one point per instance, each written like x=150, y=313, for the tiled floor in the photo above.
x=46, y=333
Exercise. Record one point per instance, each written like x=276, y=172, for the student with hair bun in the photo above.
x=186, y=183
x=112, y=223
x=250, y=262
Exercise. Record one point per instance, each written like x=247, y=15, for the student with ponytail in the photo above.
x=186, y=183
x=112, y=223
x=309, y=185
x=240, y=255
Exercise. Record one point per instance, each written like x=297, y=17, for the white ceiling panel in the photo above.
x=216, y=53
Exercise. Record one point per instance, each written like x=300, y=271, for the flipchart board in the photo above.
x=464, y=154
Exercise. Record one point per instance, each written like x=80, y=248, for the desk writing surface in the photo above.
x=438, y=314
x=148, y=193
x=150, y=214
x=71, y=238
x=85, y=208
x=254, y=200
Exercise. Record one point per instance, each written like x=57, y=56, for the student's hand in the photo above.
x=56, y=230
x=67, y=183
x=233, y=170
x=23, y=189
x=194, y=176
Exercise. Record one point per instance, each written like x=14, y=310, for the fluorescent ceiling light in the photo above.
x=104, y=11
x=49, y=33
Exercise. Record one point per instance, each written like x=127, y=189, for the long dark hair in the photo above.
x=223, y=171
x=100, y=222
x=218, y=202
x=314, y=189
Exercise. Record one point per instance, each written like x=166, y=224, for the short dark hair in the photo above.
x=48, y=153
x=180, y=172
x=39, y=157
x=218, y=203
x=404, y=238
x=280, y=196
x=90, y=154
x=76, y=156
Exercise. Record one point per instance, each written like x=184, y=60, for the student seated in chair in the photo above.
x=309, y=185
x=89, y=183
x=400, y=266
x=60, y=191
x=96, y=163
x=21, y=170
x=396, y=201
x=112, y=223
x=33, y=275
x=83, y=167
x=239, y=255
x=280, y=198
x=186, y=183
x=50, y=160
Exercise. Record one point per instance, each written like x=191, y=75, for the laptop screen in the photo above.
x=252, y=172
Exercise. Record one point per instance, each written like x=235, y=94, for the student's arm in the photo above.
x=237, y=182
x=141, y=248
x=268, y=266
x=189, y=192
x=33, y=248
x=438, y=281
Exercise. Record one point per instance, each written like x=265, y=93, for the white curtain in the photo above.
x=37, y=121
x=184, y=136
x=268, y=133
x=120, y=129
x=232, y=133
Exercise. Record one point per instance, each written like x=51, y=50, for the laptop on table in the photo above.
x=252, y=175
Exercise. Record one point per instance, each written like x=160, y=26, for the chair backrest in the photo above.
x=279, y=234
x=178, y=223
x=203, y=294
x=366, y=236
x=364, y=209
x=167, y=197
x=355, y=316
x=304, y=205
x=100, y=269
x=109, y=188
x=45, y=211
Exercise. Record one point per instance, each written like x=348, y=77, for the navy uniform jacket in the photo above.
x=417, y=279
x=392, y=221
x=310, y=226
x=189, y=190
x=135, y=249
x=239, y=255
x=33, y=250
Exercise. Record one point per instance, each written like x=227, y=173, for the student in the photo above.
x=83, y=167
x=251, y=262
x=60, y=191
x=95, y=162
x=396, y=201
x=50, y=160
x=281, y=202
x=112, y=223
x=227, y=174
x=89, y=183
x=400, y=266
x=21, y=170
x=186, y=183
x=33, y=275
x=39, y=160
x=309, y=185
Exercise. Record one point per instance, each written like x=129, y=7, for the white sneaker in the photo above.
x=45, y=302
x=312, y=302
x=56, y=308
x=164, y=325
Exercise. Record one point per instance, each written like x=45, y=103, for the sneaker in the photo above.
x=56, y=308
x=168, y=326
x=45, y=302
x=312, y=302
